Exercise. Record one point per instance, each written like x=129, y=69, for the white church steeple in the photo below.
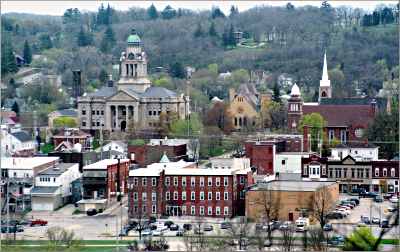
x=325, y=90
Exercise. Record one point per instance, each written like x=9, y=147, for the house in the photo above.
x=118, y=149
x=73, y=136
x=21, y=172
x=106, y=179
x=17, y=143
x=53, y=186
x=362, y=151
x=289, y=200
x=69, y=113
x=181, y=191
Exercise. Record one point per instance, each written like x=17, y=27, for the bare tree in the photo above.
x=270, y=204
x=200, y=240
x=239, y=231
x=58, y=236
x=288, y=238
x=316, y=239
x=140, y=218
x=322, y=203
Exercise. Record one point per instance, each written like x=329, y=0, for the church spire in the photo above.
x=325, y=78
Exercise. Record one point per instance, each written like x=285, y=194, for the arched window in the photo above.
x=323, y=94
x=384, y=172
x=392, y=172
x=240, y=121
x=236, y=121
x=376, y=172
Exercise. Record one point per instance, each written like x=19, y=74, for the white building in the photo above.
x=289, y=162
x=15, y=142
x=360, y=152
x=53, y=186
x=230, y=163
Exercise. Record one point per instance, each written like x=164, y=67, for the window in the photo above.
x=209, y=196
x=135, y=181
x=153, y=182
x=352, y=173
x=183, y=210
x=359, y=133
x=226, y=195
x=384, y=172
x=209, y=210
x=305, y=170
x=331, y=135
x=144, y=209
x=166, y=181
x=192, y=181
x=241, y=180
x=201, y=195
x=175, y=181
x=226, y=210
x=201, y=210
x=83, y=124
x=175, y=195
x=217, y=181
x=344, y=172
x=193, y=196
x=193, y=210
x=217, y=195
x=153, y=196
x=183, y=181
x=225, y=181
x=343, y=136
x=167, y=195
x=217, y=210
x=83, y=112
x=153, y=209
x=102, y=112
x=93, y=112
x=376, y=172
x=183, y=195
x=367, y=173
x=209, y=181
x=135, y=196
x=144, y=181
x=135, y=209
x=144, y=196
x=392, y=172
x=150, y=113
x=201, y=181
x=323, y=170
x=241, y=194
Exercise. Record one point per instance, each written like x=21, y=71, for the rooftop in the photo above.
x=291, y=185
x=102, y=164
x=44, y=189
x=58, y=169
x=22, y=136
x=355, y=145
x=26, y=162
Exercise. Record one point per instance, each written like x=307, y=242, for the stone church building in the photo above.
x=132, y=101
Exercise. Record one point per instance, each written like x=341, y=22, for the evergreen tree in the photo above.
x=168, y=12
x=15, y=108
x=289, y=6
x=212, y=31
x=8, y=62
x=276, y=95
x=232, y=40
x=103, y=76
x=84, y=38
x=108, y=15
x=11, y=89
x=45, y=41
x=234, y=11
x=199, y=31
x=217, y=13
x=177, y=70
x=376, y=18
x=101, y=15
x=108, y=40
x=152, y=12
x=225, y=37
x=27, y=53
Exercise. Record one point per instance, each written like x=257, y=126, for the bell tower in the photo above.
x=295, y=109
x=325, y=90
x=133, y=65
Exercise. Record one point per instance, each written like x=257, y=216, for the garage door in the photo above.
x=42, y=204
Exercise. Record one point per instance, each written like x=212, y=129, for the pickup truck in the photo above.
x=38, y=222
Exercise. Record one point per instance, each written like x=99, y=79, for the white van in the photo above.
x=301, y=224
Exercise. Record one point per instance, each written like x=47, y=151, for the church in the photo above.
x=346, y=118
x=131, y=102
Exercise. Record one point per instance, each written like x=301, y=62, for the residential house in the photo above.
x=17, y=143
x=73, y=136
x=359, y=151
x=53, y=186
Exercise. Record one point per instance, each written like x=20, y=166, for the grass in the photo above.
x=390, y=241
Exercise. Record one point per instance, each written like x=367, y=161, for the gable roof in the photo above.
x=104, y=91
x=342, y=115
x=22, y=136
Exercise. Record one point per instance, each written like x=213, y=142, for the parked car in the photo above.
x=187, y=226
x=91, y=212
x=173, y=227
x=355, y=200
x=378, y=199
x=285, y=225
x=384, y=224
x=361, y=224
x=179, y=232
x=365, y=219
x=157, y=232
x=369, y=195
x=375, y=220
x=328, y=227
x=161, y=227
x=152, y=219
x=38, y=222
x=124, y=232
x=208, y=227
x=394, y=199
x=335, y=215
x=168, y=223
x=226, y=225
x=147, y=232
x=336, y=240
x=12, y=229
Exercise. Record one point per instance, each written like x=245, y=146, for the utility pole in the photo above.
x=101, y=140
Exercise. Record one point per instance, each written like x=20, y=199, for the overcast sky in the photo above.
x=58, y=7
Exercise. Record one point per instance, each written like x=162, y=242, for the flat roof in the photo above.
x=58, y=169
x=295, y=153
x=155, y=172
x=102, y=164
x=26, y=163
x=290, y=185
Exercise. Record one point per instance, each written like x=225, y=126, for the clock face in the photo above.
x=131, y=56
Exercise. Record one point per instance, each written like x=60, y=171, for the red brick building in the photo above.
x=385, y=176
x=105, y=179
x=144, y=155
x=187, y=191
x=73, y=136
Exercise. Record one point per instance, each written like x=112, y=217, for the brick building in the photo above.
x=290, y=199
x=187, y=191
x=73, y=136
x=144, y=155
x=385, y=176
x=105, y=179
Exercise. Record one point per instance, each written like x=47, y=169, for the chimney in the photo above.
x=110, y=82
x=306, y=142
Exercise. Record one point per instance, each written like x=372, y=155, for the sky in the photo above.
x=57, y=7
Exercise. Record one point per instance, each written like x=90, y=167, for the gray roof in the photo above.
x=68, y=112
x=44, y=189
x=290, y=185
x=104, y=92
x=158, y=92
x=289, y=176
x=58, y=170
x=22, y=136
